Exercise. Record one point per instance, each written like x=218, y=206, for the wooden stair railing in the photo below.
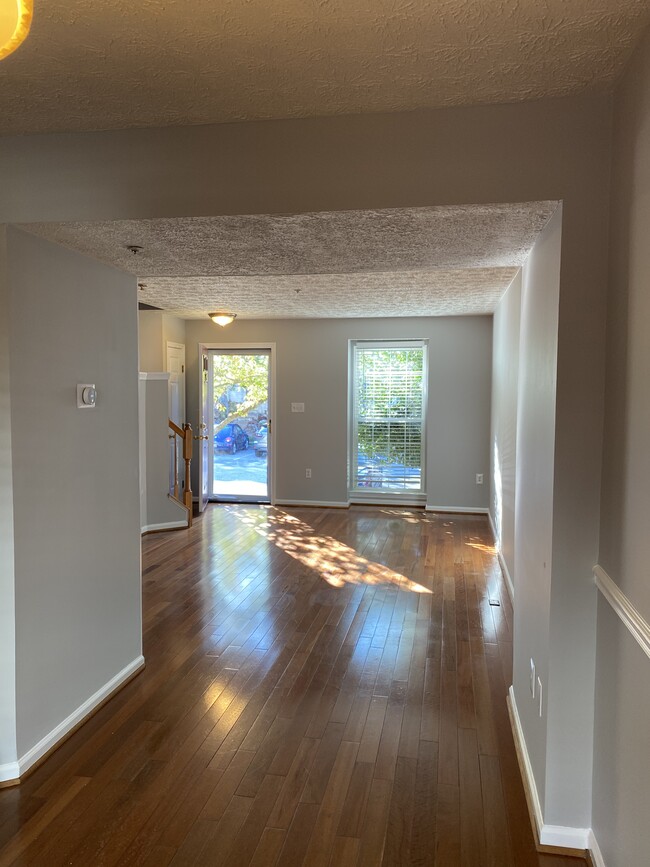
x=183, y=436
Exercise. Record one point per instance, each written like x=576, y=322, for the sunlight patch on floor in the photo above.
x=335, y=562
x=486, y=549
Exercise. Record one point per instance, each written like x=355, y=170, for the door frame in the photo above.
x=245, y=346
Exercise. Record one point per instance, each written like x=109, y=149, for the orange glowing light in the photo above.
x=15, y=21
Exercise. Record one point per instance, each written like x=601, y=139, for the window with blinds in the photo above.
x=388, y=411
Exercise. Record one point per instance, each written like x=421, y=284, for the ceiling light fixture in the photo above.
x=222, y=318
x=15, y=21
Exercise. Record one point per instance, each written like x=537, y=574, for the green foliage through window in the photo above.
x=389, y=402
x=240, y=384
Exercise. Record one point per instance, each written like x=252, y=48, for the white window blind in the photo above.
x=388, y=416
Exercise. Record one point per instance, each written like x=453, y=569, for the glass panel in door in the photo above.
x=240, y=393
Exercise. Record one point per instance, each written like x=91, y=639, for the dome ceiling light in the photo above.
x=15, y=21
x=222, y=318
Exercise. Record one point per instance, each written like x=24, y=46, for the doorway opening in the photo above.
x=238, y=443
x=176, y=408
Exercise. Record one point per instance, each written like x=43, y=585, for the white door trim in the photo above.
x=244, y=346
x=202, y=499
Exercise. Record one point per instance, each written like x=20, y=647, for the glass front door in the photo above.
x=240, y=442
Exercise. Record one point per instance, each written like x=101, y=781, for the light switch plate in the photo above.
x=297, y=407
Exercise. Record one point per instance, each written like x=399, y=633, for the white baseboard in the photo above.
x=527, y=770
x=548, y=835
x=458, y=510
x=169, y=525
x=24, y=763
x=323, y=504
x=506, y=574
x=9, y=772
x=504, y=566
x=493, y=528
x=594, y=848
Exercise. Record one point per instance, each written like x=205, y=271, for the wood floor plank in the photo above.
x=423, y=830
x=390, y=734
x=294, y=783
x=356, y=800
x=345, y=852
x=268, y=849
x=38, y=823
x=498, y=850
x=323, y=764
x=448, y=742
x=301, y=705
x=299, y=835
x=320, y=846
x=397, y=848
x=373, y=834
x=245, y=843
x=371, y=734
x=472, y=835
x=448, y=826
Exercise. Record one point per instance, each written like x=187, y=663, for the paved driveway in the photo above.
x=241, y=474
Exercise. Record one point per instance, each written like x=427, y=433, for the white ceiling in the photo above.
x=108, y=64
x=393, y=262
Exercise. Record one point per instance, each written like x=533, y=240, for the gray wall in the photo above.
x=503, y=449
x=8, y=754
x=156, y=329
x=549, y=149
x=622, y=742
x=150, y=340
x=173, y=331
x=312, y=367
x=76, y=509
x=535, y=454
x=551, y=599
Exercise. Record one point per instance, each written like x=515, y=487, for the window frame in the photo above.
x=385, y=495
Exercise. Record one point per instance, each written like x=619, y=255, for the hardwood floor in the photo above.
x=322, y=687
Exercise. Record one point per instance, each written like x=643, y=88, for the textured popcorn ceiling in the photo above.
x=104, y=64
x=392, y=262
x=313, y=296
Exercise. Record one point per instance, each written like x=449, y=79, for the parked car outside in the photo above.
x=261, y=439
x=231, y=438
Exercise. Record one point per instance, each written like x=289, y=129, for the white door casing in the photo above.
x=208, y=409
x=203, y=433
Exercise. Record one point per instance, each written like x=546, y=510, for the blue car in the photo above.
x=231, y=438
